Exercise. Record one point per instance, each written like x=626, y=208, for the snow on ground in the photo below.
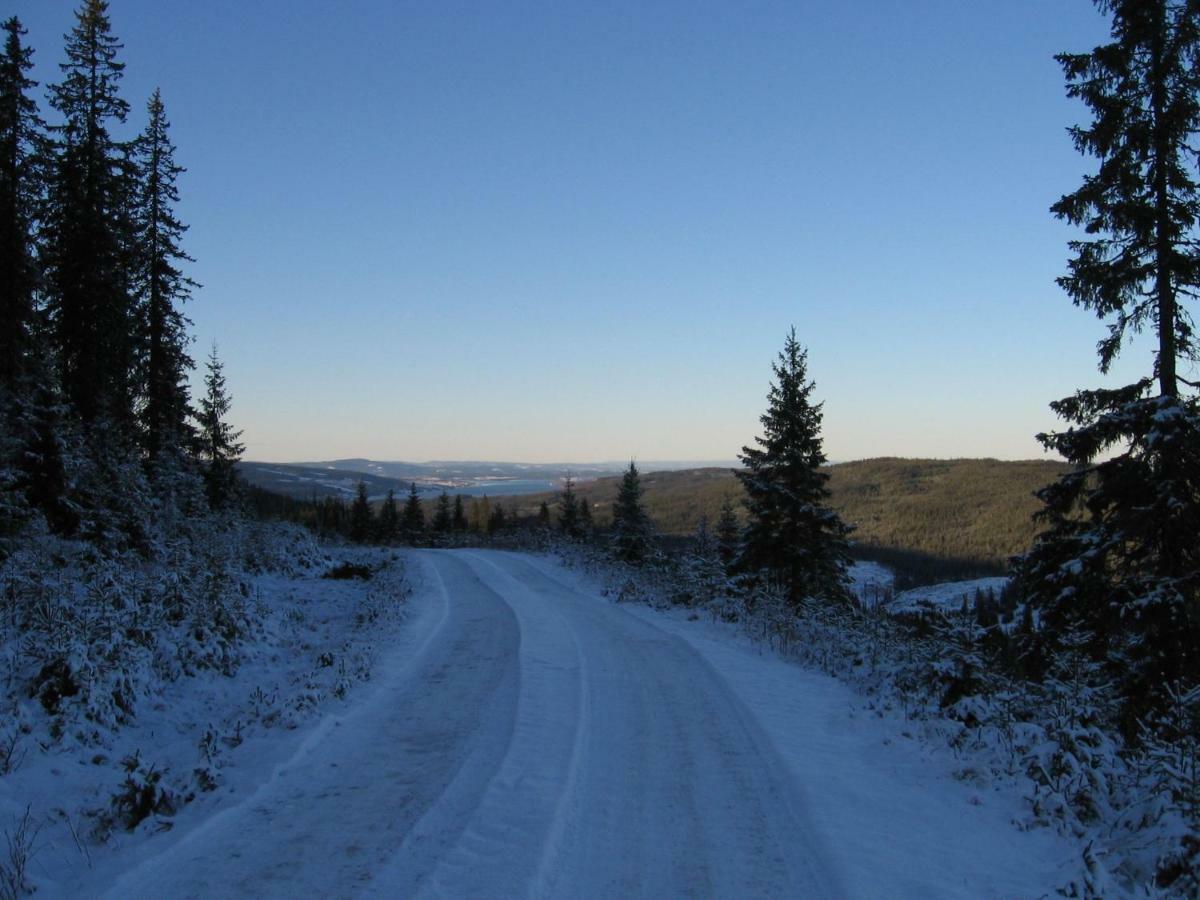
x=209, y=736
x=871, y=582
x=946, y=596
x=898, y=816
x=524, y=736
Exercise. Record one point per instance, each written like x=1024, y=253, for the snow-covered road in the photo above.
x=536, y=742
x=528, y=738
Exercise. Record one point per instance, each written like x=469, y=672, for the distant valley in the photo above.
x=340, y=477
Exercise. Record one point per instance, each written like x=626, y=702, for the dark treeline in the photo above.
x=100, y=436
x=443, y=520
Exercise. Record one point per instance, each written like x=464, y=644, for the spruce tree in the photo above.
x=568, y=508
x=585, y=517
x=793, y=537
x=220, y=448
x=162, y=288
x=443, y=519
x=543, y=515
x=729, y=535
x=459, y=519
x=389, y=518
x=412, y=520
x=498, y=520
x=360, y=514
x=21, y=185
x=27, y=420
x=631, y=528
x=1120, y=553
x=88, y=234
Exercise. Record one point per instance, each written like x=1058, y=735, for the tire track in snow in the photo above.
x=680, y=793
x=513, y=835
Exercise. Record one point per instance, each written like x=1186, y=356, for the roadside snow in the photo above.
x=207, y=739
x=946, y=596
x=900, y=817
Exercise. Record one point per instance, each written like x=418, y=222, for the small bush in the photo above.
x=347, y=571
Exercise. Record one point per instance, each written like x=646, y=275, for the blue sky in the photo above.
x=570, y=232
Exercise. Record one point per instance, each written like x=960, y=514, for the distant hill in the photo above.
x=970, y=510
x=339, y=477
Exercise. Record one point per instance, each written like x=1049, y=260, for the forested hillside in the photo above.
x=960, y=509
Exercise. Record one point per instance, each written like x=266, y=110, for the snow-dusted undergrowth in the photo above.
x=1132, y=814
x=121, y=711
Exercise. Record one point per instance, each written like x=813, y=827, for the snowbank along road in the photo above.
x=536, y=740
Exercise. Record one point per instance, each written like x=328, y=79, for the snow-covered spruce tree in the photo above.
x=568, y=508
x=795, y=540
x=162, y=289
x=412, y=519
x=1120, y=552
x=360, y=515
x=632, y=532
x=220, y=449
x=87, y=239
x=729, y=535
x=1072, y=770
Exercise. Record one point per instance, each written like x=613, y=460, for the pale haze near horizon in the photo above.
x=554, y=233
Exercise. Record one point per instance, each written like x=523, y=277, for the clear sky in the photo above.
x=578, y=231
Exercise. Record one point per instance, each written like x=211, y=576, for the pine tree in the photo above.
x=88, y=228
x=26, y=401
x=389, y=518
x=498, y=520
x=412, y=520
x=585, y=517
x=360, y=514
x=443, y=519
x=21, y=177
x=1119, y=553
x=162, y=288
x=219, y=442
x=459, y=519
x=792, y=536
x=729, y=535
x=631, y=528
x=568, y=508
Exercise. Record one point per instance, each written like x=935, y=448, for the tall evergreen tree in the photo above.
x=21, y=177
x=568, y=508
x=389, y=518
x=543, y=515
x=88, y=239
x=585, y=517
x=793, y=536
x=162, y=288
x=459, y=519
x=631, y=528
x=28, y=476
x=412, y=520
x=498, y=520
x=219, y=442
x=360, y=514
x=443, y=518
x=1120, y=552
x=729, y=535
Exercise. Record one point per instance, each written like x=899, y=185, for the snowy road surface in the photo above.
x=534, y=741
